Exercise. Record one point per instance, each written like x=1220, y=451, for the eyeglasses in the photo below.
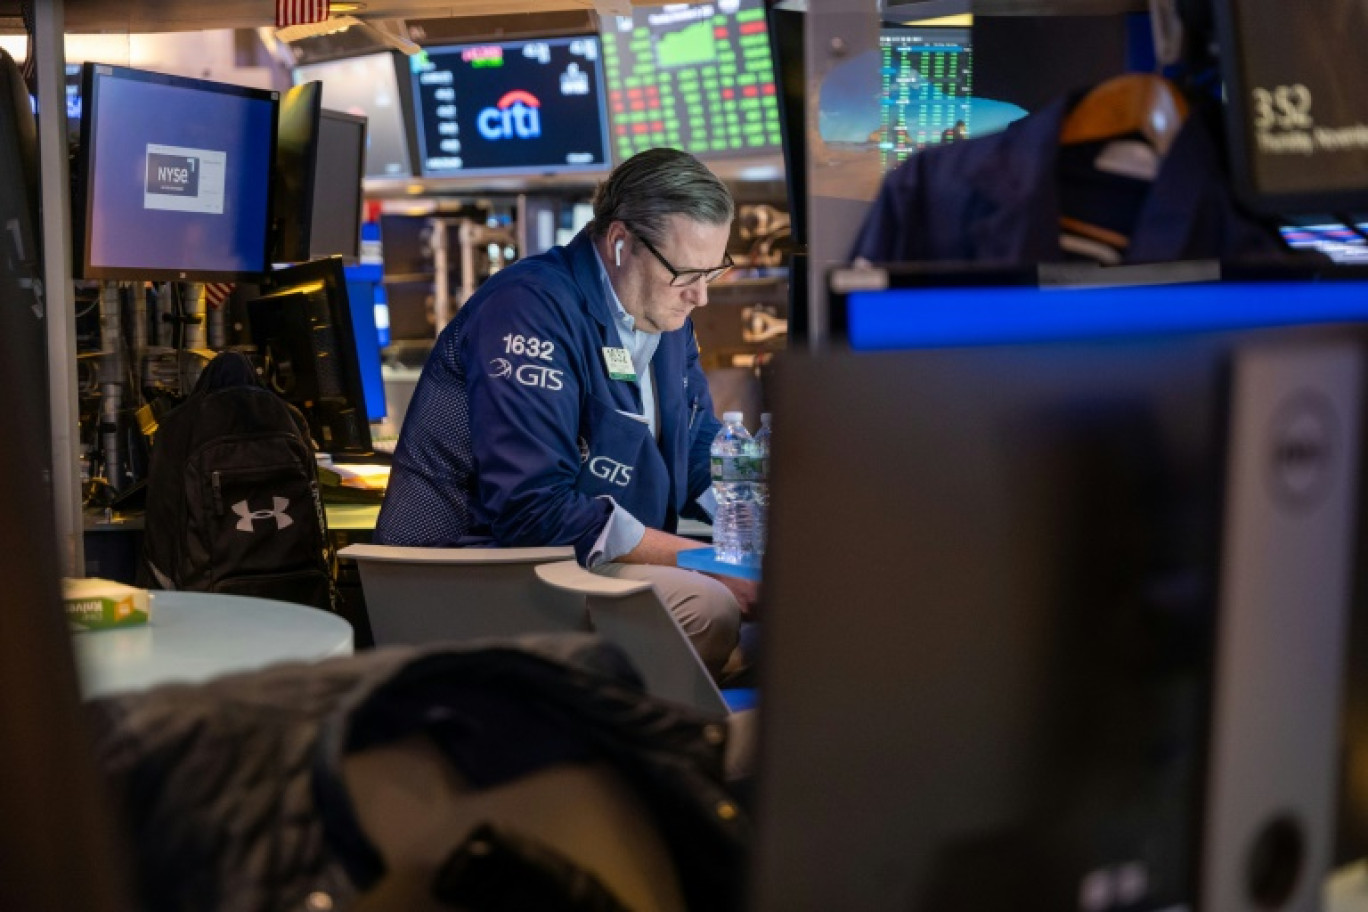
x=681, y=277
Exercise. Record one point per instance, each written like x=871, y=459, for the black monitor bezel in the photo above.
x=600, y=168
x=83, y=268
x=291, y=215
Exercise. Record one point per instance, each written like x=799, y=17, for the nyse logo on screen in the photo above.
x=176, y=174
x=515, y=116
x=182, y=179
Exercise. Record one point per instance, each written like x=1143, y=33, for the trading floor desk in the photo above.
x=195, y=636
x=113, y=548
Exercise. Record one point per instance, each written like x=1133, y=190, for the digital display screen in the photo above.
x=512, y=107
x=926, y=78
x=1339, y=242
x=176, y=175
x=694, y=77
x=1296, y=103
x=369, y=87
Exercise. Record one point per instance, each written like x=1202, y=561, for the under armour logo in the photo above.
x=249, y=518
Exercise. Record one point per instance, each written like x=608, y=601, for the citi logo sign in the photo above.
x=515, y=116
x=277, y=512
x=611, y=471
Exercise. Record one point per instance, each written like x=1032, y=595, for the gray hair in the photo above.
x=651, y=186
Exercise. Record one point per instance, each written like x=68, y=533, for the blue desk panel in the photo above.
x=704, y=560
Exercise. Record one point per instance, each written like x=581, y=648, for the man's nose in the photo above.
x=697, y=294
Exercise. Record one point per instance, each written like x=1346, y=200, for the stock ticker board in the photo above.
x=698, y=78
x=926, y=79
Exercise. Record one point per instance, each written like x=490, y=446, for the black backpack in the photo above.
x=232, y=494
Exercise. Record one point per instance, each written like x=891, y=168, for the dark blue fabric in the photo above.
x=995, y=200
x=514, y=444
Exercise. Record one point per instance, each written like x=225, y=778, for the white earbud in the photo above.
x=617, y=252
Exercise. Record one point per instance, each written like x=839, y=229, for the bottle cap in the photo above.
x=729, y=417
x=764, y=417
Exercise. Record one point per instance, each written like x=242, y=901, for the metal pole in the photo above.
x=50, y=55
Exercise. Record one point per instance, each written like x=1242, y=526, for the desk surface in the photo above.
x=705, y=560
x=195, y=636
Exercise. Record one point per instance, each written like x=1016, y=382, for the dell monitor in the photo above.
x=698, y=78
x=303, y=330
x=320, y=155
x=512, y=107
x=371, y=86
x=1077, y=635
x=174, y=177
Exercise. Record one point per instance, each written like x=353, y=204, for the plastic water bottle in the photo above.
x=733, y=475
x=761, y=484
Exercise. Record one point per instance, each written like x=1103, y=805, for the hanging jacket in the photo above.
x=995, y=200
x=234, y=795
x=516, y=435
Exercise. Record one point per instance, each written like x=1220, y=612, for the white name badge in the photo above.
x=619, y=363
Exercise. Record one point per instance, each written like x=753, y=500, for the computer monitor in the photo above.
x=1072, y=635
x=320, y=155
x=303, y=329
x=173, y=177
x=376, y=87
x=926, y=89
x=335, y=226
x=698, y=78
x=511, y=107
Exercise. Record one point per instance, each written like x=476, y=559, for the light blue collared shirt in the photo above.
x=624, y=531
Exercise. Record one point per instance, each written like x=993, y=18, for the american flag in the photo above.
x=215, y=293
x=300, y=12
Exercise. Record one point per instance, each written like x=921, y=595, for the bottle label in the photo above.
x=736, y=468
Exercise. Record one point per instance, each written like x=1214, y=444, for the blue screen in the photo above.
x=942, y=317
x=178, y=178
x=361, y=297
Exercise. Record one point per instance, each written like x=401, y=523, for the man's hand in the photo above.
x=747, y=593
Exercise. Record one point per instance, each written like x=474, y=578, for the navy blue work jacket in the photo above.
x=516, y=434
x=995, y=199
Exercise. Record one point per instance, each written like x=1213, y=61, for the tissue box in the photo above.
x=98, y=604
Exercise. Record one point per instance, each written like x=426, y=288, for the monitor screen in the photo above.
x=926, y=88
x=511, y=107
x=370, y=87
x=335, y=226
x=1339, y=242
x=303, y=328
x=174, y=177
x=698, y=78
x=73, y=100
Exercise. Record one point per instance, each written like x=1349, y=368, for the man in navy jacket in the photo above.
x=565, y=405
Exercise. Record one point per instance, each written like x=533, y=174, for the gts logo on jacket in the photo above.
x=611, y=471
x=535, y=375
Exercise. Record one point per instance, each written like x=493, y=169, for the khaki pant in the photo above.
x=704, y=608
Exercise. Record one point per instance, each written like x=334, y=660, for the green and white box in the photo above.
x=99, y=604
